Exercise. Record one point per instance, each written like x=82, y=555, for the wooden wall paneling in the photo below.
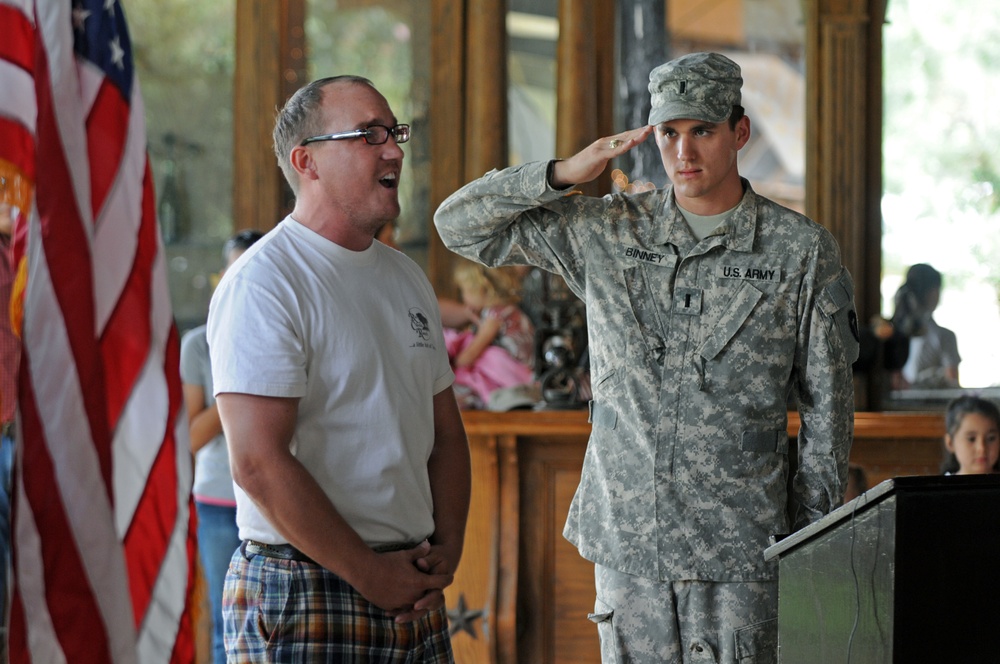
x=263, y=31
x=508, y=549
x=898, y=444
x=471, y=599
x=557, y=584
x=886, y=458
x=575, y=639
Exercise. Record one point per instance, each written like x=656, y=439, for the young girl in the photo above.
x=972, y=437
x=498, y=350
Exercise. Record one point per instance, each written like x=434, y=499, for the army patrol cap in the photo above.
x=698, y=86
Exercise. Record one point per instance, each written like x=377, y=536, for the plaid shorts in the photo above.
x=286, y=611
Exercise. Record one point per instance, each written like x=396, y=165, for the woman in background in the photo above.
x=932, y=360
x=215, y=500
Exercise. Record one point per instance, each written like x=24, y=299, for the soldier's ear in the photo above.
x=742, y=132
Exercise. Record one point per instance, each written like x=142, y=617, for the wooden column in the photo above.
x=586, y=64
x=844, y=145
x=269, y=66
x=486, y=127
x=468, y=127
x=844, y=134
x=469, y=98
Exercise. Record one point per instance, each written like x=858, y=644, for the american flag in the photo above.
x=103, y=520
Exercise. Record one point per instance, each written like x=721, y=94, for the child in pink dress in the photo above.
x=498, y=351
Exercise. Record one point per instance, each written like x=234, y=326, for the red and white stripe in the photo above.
x=103, y=520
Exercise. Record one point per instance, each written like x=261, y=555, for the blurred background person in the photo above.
x=498, y=349
x=215, y=500
x=932, y=356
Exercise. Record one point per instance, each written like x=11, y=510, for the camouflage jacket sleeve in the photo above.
x=514, y=217
x=827, y=347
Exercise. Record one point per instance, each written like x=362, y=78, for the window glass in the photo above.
x=767, y=39
x=184, y=59
x=941, y=202
x=533, y=33
x=388, y=43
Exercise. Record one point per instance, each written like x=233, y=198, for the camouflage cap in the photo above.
x=698, y=86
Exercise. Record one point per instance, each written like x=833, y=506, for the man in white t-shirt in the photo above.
x=335, y=393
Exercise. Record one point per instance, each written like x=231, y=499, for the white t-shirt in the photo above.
x=357, y=338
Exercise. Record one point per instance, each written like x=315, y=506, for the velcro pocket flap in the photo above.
x=765, y=441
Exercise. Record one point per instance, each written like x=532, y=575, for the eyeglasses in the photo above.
x=373, y=135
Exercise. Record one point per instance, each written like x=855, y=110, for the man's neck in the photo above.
x=726, y=197
x=331, y=227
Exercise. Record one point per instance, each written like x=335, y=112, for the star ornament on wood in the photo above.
x=463, y=619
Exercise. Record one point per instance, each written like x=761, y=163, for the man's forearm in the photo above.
x=293, y=502
x=450, y=472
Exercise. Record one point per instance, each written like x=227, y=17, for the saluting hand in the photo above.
x=591, y=161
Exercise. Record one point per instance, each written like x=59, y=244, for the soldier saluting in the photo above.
x=709, y=307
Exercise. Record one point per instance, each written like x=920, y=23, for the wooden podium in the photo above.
x=907, y=572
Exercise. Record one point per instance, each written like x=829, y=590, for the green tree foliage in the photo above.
x=184, y=55
x=941, y=140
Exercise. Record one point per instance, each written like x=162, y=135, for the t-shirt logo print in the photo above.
x=419, y=323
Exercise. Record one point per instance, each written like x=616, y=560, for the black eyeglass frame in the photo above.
x=400, y=133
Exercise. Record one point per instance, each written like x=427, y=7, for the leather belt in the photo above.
x=289, y=552
x=282, y=551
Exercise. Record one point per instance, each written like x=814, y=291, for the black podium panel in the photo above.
x=907, y=572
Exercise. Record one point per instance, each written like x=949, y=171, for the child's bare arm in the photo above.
x=487, y=332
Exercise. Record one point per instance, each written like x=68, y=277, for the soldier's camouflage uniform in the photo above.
x=695, y=348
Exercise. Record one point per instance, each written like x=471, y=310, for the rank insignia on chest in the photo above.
x=750, y=273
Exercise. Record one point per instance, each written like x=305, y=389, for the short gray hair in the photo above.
x=299, y=118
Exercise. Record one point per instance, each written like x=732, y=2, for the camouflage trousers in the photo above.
x=646, y=621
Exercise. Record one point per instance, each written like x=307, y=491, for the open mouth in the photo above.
x=389, y=181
